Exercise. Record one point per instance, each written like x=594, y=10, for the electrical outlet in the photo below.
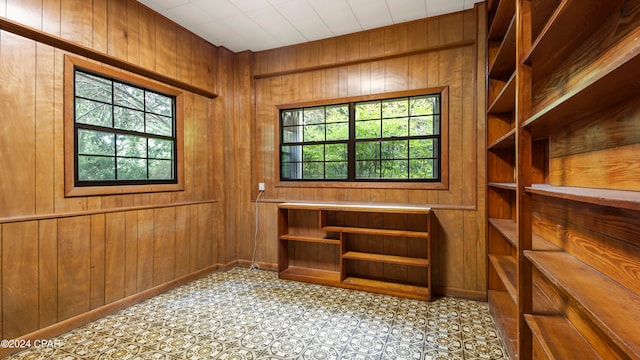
x=261, y=186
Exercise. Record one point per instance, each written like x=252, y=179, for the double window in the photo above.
x=123, y=130
x=396, y=139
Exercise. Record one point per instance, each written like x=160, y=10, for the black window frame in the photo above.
x=116, y=131
x=352, y=141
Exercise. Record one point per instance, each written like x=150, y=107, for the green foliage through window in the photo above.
x=393, y=139
x=124, y=134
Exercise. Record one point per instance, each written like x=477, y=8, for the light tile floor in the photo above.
x=251, y=314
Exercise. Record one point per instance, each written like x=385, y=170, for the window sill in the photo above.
x=364, y=185
x=123, y=189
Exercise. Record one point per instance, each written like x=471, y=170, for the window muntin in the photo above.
x=124, y=134
x=381, y=140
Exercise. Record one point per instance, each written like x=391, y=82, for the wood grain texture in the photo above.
x=74, y=263
x=48, y=272
x=20, y=305
x=115, y=252
x=98, y=258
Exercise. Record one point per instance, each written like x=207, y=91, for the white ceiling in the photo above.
x=266, y=24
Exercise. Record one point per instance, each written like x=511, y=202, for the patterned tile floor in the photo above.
x=251, y=314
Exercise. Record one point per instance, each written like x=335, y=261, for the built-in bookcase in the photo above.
x=564, y=180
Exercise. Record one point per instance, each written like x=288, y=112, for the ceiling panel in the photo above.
x=265, y=24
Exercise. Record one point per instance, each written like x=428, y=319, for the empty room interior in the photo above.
x=320, y=179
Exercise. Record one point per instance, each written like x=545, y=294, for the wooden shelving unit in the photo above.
x=563, y=196
x=350, y=234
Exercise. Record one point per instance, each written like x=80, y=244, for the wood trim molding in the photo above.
x=432, y=206
x=452, y=45
x=63, y=44
x=92, y=315
x=100, y=211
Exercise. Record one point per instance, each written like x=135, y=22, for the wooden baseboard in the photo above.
x=263, y=265
x=61, y=327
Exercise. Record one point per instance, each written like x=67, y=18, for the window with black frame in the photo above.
x=380, y=140
x=124, y=134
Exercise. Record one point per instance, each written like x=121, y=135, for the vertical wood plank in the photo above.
x=74, y=262
x=76, y=21
x=17, y=141
x=27, y=12
x=131, y=253
x=99, y=35
x=145, y=249
x=19, y=277
x=44, y=112
x=132, y=32
x=147, y=38
x=48, y=271
x=97, y=261
x=115, y=251
x=182, y=246
x=205, y=246
x=164, y=243
x=166, y=36
x=50, y=16
x=117, y=25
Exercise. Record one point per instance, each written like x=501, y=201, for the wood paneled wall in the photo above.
x=63, y=258
x=371, y=62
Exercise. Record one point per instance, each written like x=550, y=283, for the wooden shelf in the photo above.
x=614, y=198
x=372, y=231
x=558, y=338
x=506, y=141
x=567, y=28
x=288, y=237
x=506, y=227
x=310, y=275
x=389, y=259
x=505, y=11
x=613, y=83
x=356, y=207
x=505, y=102
x=385, y=287
x=499, y=185
x=505, y=312
x=506, y=268
x=611, y=307
x=504, y=63
x=325, y=216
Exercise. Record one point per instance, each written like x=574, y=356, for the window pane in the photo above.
x=368, y=169
x=292, y=134
x=93, y=113
x=424, y=125
x=132, y=169
x=128, y=119
x=159, y=125
x=337, y=131
x=422, y=169
x=368, y=129
x=314, y=133
x=291, y=153
x=394, y=169
x=94, y=168
x=368, y=150
x=129, y=96
x=291, y=117
x=335, y=152
x=160, y=169
x=96, y=143
x=395, y=127
x=368, y=110
x=158, y=104
x=338, y=113
x=395, y=108
x=424, y=105
x=314, y=115
x=160, y=149
x=313, y=170
x=421, y=148
x=292, y=171
x=93, y=87
x=336, y=170
x=395, y=149
x=132, y=146
x=313, y=153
